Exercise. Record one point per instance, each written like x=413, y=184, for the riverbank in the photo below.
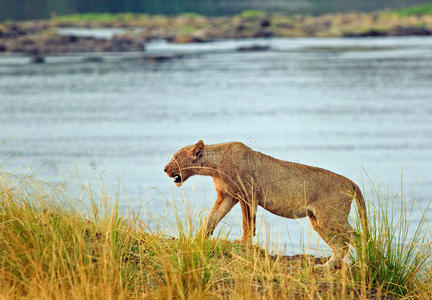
x=42, y=36
x=51, y=248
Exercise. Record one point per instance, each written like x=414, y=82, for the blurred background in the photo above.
x=110, y=90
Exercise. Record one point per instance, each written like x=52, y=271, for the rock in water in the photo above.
x=38, y=59
x=253, y=48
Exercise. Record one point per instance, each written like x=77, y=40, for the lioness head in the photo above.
x=185, y=163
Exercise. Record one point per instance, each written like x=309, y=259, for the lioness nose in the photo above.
x=165, y=169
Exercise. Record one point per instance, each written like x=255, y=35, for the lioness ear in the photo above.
x=198, y=149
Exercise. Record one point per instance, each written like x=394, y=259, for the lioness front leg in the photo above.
x=221, y=207
x=249, y=220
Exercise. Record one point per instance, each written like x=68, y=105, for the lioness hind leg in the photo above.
x=336, y=232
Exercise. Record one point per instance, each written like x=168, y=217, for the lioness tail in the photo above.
x=361, y=205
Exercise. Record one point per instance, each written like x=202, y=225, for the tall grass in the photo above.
x=396, y=255
x=50, y=247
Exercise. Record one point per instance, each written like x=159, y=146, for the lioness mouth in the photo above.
x=177, y=180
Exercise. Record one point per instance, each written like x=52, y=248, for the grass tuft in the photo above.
x=395, y=257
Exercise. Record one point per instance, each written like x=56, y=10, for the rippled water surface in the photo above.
x=359, y=107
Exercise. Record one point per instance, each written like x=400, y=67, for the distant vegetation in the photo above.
x=190, y=27
x=418, y=10
x=253, y=13
x=55, y=246
x=98, y=17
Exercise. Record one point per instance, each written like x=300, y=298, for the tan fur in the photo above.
x=284, y=188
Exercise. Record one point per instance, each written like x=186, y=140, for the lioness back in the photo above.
x=278, y=182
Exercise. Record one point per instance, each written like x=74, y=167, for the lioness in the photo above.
x=287, y=189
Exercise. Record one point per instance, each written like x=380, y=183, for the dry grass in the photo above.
x=52, y=249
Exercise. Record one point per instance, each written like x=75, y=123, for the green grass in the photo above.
x=253, y=13
x=418, y=10
x=98, y=17
x=55, y=247
x=111, y=17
